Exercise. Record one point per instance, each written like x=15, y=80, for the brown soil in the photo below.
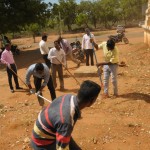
x=121, y=123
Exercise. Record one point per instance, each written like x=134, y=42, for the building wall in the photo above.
x=146, y=26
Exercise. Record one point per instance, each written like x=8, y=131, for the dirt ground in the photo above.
x=121, y=123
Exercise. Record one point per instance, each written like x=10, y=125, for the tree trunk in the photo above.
x=95, y=24
x=69, y=27
x=34, y=38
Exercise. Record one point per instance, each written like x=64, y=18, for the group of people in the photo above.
x=55, y=122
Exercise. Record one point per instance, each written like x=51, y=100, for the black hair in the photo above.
x=39, y=67
x=44, y=37
x=7, y=44
x=88, y=91
x=110, y=44
x=56, y=41
x=59, y=38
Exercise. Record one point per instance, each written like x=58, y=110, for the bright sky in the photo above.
x=55, y=1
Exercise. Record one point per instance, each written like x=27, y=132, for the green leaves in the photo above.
x=15, y=13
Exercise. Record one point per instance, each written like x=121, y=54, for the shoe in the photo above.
x=12, y=90
x=62, y=89
x=19, y=88
x=105, y=96
x=115, y=96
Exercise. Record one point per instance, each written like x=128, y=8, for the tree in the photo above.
x=109, y=12
x=15, y=14
x=130, y=9
x=34, y=29
x=82, y=19
x=67, y=9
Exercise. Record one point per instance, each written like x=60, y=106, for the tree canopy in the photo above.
x=16, y=15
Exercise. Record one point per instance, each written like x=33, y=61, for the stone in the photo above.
x=26, y=140
x=86, y=71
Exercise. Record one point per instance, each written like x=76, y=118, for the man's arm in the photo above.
x=83, y=43
x=67, y=45
x=63, y=136
x=28, y=76
x=64, y=58
x=50, y=54
x=46, y=77
x=3, y=59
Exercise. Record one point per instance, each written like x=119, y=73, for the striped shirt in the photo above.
x=55, y=123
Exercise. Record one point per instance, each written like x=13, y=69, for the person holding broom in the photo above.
x=110, y=65
x=57, y=57
x=40, y=72
x=65, y=45
x=55, y=123
x=8, y=59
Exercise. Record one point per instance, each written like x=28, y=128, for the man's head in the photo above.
x=110, y=44
x=59, y=39
x=87, y=31
x=88, y=93
x=56, y=44
x=44, y=38
x=8, y=46
x=39, y=68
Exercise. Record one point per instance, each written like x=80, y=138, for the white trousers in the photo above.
x=110, y=70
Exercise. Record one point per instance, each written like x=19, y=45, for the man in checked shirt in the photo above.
x=55, y=123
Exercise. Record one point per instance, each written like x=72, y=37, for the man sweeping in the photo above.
x=57, y=57
x=40, y=71
x=55, y=123
x=8, y=59
x=110, y=65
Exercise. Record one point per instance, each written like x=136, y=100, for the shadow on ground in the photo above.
x=28, y=57
x=137, y=96
x=69, y=90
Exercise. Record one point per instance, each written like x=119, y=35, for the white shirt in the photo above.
x=43, y=47
x=60, y=56
x=86, y=44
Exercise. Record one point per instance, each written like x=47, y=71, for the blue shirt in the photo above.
x=31, y=71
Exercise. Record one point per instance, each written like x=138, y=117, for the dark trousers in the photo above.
x=37, y=83
x=47, y=61
x=10, y=74
x=89, y=54
x=72, y=146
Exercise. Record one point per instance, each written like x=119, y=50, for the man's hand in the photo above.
x=91, y=40
x=38, y=93
x=97, y=65
x=53, y=57
x=32, y=91
x=9, y=66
